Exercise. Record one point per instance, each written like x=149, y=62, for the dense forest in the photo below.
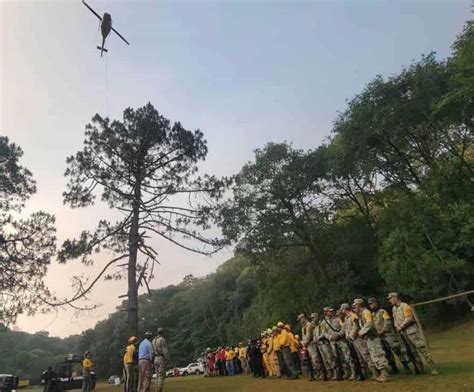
x=385, y=204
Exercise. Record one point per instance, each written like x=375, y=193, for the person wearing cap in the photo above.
x=210, y=362
x=284, y=372
x=407, y=327
x=243, y=358
x=360, y=352
x=294, y=346
x=307, y=328
x=145, y=358
x=130, y=363
x=274, y=370
x=390, y=340
x=324, y=342
x=87, y=365
x=285, y=342
x=341, y=349
x=317, y=360
x=162, y=358
x=368, y=333
x=229, y=361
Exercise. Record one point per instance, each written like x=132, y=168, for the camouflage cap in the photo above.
x=314, y=315
x=328, y=309
x=345, y=306
x=160, y=330
x=358, y=301
x=300, y=316
x=392, y=294
x=372, y=301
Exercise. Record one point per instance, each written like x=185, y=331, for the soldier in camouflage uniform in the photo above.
x=307, y=340
x=324, y=343
x=162, y=358
x=390, y=339
x=406, y=326
x=316, y=358
x=340, y=347
x=351, y=332
x=369, y=334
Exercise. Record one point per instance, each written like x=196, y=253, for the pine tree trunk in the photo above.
x=132, y=268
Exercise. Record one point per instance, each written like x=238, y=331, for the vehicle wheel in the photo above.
x=197, y=372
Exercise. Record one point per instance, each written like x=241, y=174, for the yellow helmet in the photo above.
x=132, y=339
x=280, y=324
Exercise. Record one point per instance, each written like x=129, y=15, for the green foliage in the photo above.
x=26, y=244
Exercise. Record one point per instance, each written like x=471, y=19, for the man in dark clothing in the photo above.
x=256, y=359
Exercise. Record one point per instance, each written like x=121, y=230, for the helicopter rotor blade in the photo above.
x=91, y=10
x=116, y=32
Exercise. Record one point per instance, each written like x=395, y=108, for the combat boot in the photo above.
x=383, y=377
x=352, y=375
x=375, y=372
x=406, y=368
x=394, y=368
x=419, y=368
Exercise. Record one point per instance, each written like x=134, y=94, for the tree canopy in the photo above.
x=26, y=243
x=145, y=168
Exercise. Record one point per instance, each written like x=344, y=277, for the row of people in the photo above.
x=354, y=342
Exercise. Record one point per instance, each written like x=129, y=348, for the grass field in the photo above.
x=453, y=352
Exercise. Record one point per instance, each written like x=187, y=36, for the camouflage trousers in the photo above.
x=417, y=347
x=362, y=350
x=341, y=348
x=327, y=356
x=377, y=353
x=160, y=367
x=316, y=360
x=397, y=346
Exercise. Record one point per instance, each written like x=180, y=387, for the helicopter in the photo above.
x=105, y=28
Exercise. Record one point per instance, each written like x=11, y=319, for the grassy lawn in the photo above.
x=453, y=351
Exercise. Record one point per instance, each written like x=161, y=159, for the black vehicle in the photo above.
x=8, y=383
x=65, y=376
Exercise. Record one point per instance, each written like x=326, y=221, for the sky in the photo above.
x=244, y=72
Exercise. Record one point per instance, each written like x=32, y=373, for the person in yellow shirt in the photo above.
x=243, y=358
x=294, y=346
x=229, y=361
x=286, y=352
x=263, y=350
x=87, y=365
x=273, y=353
x=130, y=365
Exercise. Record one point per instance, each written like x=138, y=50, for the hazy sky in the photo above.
x=244, y=72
